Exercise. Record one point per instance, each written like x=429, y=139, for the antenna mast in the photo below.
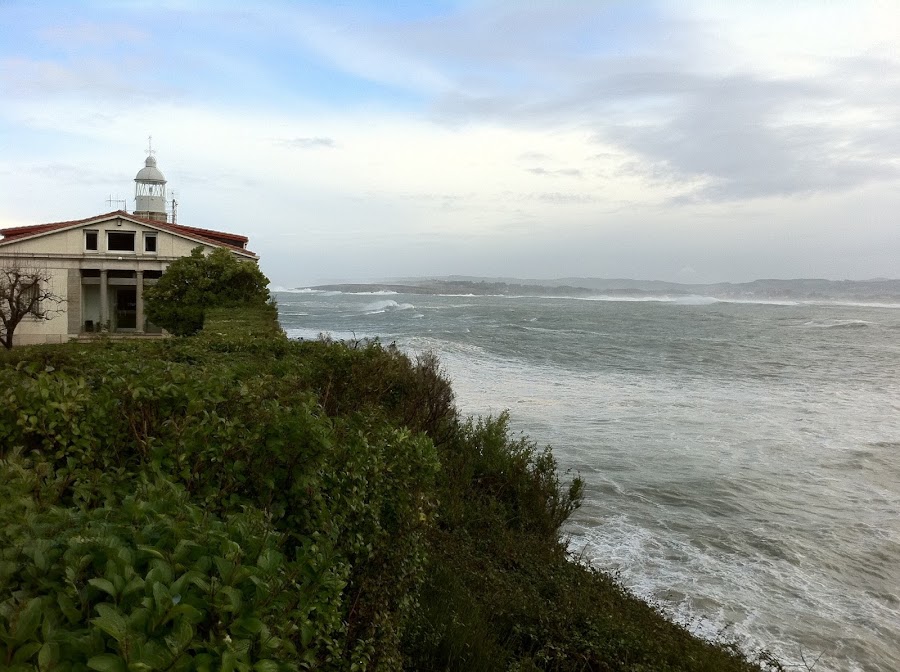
x=117, y=202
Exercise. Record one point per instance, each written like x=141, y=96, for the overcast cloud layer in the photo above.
x=693, y=141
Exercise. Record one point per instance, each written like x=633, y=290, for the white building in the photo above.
x=100, y=265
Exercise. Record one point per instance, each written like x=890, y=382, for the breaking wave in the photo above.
x=380, y=292
x=389, y=306
x=301, y=290
x=307, y=334
x=836, y=324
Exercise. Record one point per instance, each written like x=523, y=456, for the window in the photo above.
x=120, y=241
x=31, y=298
x=90, y=241
x=150, y=243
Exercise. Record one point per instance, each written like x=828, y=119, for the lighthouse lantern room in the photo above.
x=150, y=190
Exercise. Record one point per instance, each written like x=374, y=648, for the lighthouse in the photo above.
x=150, y=191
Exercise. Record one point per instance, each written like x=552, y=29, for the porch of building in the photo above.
x=112, y=302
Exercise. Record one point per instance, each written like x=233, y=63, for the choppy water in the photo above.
x=742, y=460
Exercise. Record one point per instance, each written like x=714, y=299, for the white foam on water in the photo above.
x=684, y=300
x=695, y=300
x=301, y=290
x=724, y=593
x=380, y=292
x=462, y=353
x=389, y=306
x=310, y=334
x=836, y=324
x=699, y=300
x=857, y=304
x=330, y=292
x=763, y=302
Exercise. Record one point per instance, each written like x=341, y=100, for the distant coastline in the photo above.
x=886, y=291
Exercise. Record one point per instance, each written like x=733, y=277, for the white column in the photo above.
x=139, y=302
x=104, y=302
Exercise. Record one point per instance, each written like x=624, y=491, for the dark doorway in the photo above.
x=126, y=308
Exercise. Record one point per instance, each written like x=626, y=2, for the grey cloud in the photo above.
x=636, y=79
x=748, y=137
x=745, y=136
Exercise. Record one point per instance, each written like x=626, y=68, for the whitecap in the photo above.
x=300, y=290
x=696, y=300
x=763, y=302
x=855, y=304
x=684, y=300
x=389, y=306
x=310, y=334
x=380, y=292
x=836, y=324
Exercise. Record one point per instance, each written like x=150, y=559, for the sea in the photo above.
x=742, y=459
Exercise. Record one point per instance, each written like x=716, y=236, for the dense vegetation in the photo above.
x=237, y=501
x=194, y=284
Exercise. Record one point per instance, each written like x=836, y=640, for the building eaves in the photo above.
x=192, y=233
x=37, y=229
x=207, y=236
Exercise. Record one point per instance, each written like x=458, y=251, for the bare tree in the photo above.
x=24, y=291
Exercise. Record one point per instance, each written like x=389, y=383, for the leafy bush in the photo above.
x=191, y=285
x=350, y=495
x=148, y=582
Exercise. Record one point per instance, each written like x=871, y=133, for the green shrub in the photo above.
x=351, y=495
x=191, y=285
x=147, y=582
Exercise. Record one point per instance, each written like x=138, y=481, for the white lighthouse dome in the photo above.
x=150, y=173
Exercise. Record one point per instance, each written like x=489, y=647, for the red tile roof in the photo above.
x=235, y=238
x=25, y=231
x=210, y=237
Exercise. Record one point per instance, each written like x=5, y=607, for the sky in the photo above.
x=691, y=140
